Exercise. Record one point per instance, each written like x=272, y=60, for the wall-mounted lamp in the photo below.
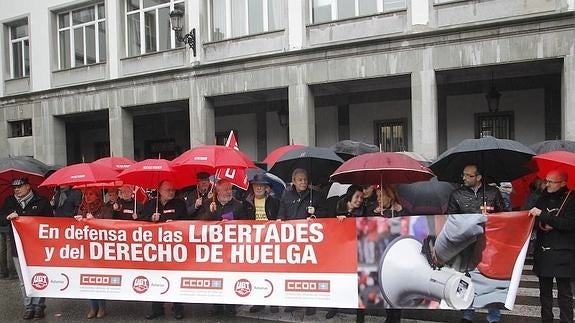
x=283, y=116
x=493, y=97
x=176, y=20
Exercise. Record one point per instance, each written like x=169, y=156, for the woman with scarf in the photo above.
x=93, y=207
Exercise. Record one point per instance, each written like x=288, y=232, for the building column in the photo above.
x=121, y=128
x=50, y=140
x=568, y=97
x=301, y=115
x=202, y=119
x=424, y=113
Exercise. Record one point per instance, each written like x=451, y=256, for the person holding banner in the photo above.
x=25, y=202
x=555, y=246
x=263, y=207
x=93, y=207
x=477, y=199
x=298, y=202
x=196, y=197
x=128, y=208
x=165, y=208
x=223, y=206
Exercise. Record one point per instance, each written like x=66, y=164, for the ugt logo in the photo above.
x=243, y=287
x=140, y=284
x=40, y=281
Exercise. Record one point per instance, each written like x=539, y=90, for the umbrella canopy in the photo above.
x=149, y=173
x=272, y=157
x=347, y=149
x=424, y=161
x=425, y=198
x=556, y=160
x=501, y=159
x=553, y=145
x=116, y=163
x=209, y=158
x=381, y=168
x=337, y=189
x=21, y=166
x=318, y=162
x=80, y=174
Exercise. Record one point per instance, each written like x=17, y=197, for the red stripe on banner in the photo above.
x=234, y=246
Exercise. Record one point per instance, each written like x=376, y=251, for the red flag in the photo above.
x=237, y=177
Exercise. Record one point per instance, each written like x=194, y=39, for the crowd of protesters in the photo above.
x=209, y=201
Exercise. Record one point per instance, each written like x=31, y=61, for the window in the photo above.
x=82, y=36
x=391, y=135
x=19, y=49
x=496, y=124
x=148, y=27
x=236, y=18
x=329, y=10
x=20, y=128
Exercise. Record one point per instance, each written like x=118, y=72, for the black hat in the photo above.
x=260, y=179
x=20, y=181
x=203, y=175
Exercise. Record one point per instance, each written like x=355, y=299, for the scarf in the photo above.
x=24, y=200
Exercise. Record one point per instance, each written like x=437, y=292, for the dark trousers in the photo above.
x=564, y=295
x=158, y=307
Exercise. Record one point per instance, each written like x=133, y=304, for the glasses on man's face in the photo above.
x=464, y=175
x=548, y=181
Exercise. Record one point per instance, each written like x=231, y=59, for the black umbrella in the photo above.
x=17, y=167
x=347, y=149
x=318, y=162
x=553, y=145
x=425, y=198
x=500, y=159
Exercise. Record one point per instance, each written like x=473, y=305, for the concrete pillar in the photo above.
x=424, y=113
x=121, y=127
x=202, y=119
x=4, y=148
x=568, y=97
x=115, y=38
x=50, y=139
x=301, y=115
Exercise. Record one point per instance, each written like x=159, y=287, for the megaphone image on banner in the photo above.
x=407, y=278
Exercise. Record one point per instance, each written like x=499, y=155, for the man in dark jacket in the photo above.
x=162, y=209
x=224, y=206
x=299, y=201
x=25, y=202
x=555, y=246
x=475, y=197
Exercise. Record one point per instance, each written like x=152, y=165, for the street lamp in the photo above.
x=283, y=116
x=176, y=20
x=493, y=97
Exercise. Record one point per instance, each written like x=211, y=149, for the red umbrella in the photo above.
x=381, y=168
x=209, y=158
x=80, y=174
x=116, y=163
x=556, y=160
x=21, y=166
x=273, y=157
x=149, y=173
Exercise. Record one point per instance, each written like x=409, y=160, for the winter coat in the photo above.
x=555, y=249
x=272, y=206
x=174, y=209
x=233, y=210
x=465, y=200
x=126, y=209
x=37, y=206
x=293, y=204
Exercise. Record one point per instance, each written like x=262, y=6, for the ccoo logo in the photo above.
x=40, y=281
x=243, y=287
x=140, y=284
